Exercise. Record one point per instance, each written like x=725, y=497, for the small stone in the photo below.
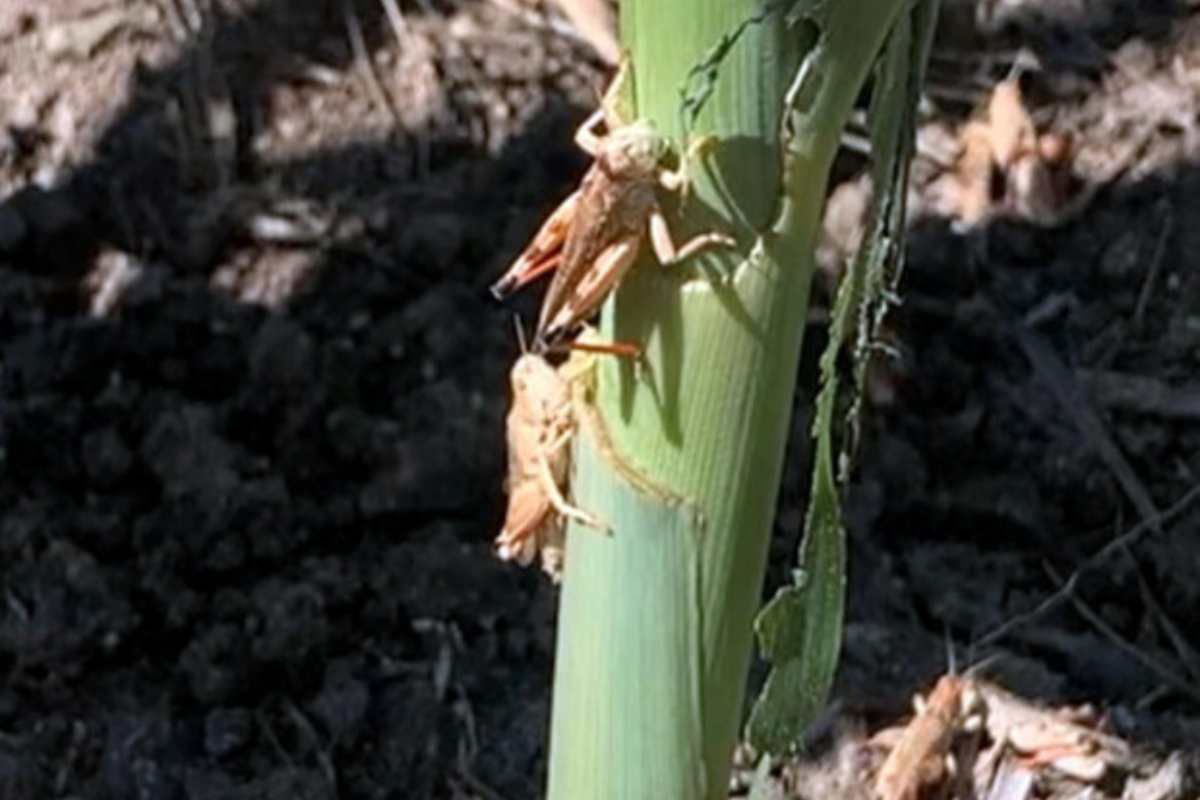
x=226, y=730
x=106, y=457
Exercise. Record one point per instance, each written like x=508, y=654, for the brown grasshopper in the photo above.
x=917, y=757
x=1017, y=730
x=539, y=430
x=593, y=237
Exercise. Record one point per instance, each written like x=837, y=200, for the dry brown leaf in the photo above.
x=1051, y=737
x=1033, y=169
x=1011, y=127
x=974, y=171
x=1013, y=782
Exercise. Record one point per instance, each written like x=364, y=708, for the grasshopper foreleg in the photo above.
x=665, y=249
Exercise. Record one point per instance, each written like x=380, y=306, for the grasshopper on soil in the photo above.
x=1017, y=731
x=593, y=237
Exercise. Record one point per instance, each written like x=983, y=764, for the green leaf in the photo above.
x=800, y=629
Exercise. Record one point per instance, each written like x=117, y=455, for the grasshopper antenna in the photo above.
x=980, y=666
x=520, y=329
x=951, y=656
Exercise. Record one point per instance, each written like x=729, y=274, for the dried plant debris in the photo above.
x=1004, y=166
x=971, y=739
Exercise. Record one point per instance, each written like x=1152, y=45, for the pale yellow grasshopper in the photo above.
x=539, y=429
x=550, y=407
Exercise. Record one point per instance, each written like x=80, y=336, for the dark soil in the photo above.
x=252, y=394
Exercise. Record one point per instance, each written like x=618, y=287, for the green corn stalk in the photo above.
x=655, y=621
x=799, y=631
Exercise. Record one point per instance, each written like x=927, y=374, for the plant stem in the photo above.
x=655, y=622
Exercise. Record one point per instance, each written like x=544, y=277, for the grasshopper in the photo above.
x=549, y=407
x=540, y=426
x=593, y=237
x=1017, y=730
x=916, y=759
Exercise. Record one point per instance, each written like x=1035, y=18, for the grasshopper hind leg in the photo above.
x=555, y=496
x=543, y=253
x=603, y=275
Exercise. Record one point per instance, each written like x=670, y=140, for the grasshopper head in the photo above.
x=633, y=151
x=537, y=386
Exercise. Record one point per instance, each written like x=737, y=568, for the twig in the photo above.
x=987, y=58
x=1074, y=402
x=856, y=143
x=301, y=721
x=1163, y=672
x=1096, y=558
x=1183, y=648
x=1049, y=308
x=1160, y=248
x=1151, y=697
x=396, y=20
x=1012, y=782
x=408, y=44
x=955, y=94
x=269, y=730
x=189, y=15
x=1142, y=394
x=174, y=19
x=362, y=60
x=1070, y=396
x=479, y=787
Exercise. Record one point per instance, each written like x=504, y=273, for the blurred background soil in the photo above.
x=252, y=392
